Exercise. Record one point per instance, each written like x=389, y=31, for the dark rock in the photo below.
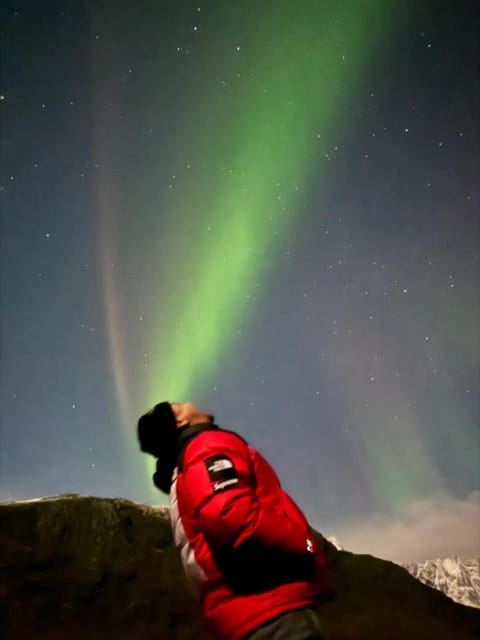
x=81, y=567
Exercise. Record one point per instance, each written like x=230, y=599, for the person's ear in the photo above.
x=181, y=420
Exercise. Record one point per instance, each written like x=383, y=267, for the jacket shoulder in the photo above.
x=214, y=442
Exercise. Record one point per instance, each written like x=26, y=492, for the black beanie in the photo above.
x=157, y=430
x=158, y=435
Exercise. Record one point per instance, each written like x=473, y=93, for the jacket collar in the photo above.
x=188, y=433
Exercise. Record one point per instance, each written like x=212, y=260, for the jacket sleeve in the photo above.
x=226, y=505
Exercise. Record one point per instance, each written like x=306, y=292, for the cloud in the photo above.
x=437, y=527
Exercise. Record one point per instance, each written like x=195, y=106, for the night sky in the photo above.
x=269, y=208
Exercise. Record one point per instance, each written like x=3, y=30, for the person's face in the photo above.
x=186, y=413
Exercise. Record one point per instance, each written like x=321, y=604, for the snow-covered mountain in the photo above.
x=458, y=578
x=336, y=543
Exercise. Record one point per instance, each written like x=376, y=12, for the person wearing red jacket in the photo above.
x=247, y=549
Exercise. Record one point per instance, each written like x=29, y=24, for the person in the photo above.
x=246, y=547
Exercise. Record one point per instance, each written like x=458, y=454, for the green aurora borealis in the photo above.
x=247, y=156
x=255, y=154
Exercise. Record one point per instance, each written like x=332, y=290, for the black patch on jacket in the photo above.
x=222, y=472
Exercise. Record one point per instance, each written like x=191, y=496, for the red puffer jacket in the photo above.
x=246, y=547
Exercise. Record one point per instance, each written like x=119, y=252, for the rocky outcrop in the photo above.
x=78, y=567
x=81, y=567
